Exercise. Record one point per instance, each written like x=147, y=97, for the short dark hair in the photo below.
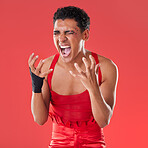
x=72, y=12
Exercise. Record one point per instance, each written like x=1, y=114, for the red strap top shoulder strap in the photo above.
x=97, y=61
x=54, y=61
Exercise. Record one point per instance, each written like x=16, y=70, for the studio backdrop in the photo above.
x=118, y=31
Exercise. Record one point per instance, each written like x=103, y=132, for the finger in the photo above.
x=44, y=74
x=30, y=58
x=74, y=75
x=38, y=68
x=87, y=65
x=97, y=68
x=79, y=69
x=31, y=65
x=93, y=62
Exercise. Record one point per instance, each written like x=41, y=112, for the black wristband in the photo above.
x=37, y=82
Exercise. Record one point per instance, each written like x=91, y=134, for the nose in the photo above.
x=62, y=38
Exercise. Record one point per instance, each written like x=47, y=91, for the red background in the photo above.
x=119, y=31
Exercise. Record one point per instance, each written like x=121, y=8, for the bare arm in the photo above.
x=102, y=97
x=40, y=101
x=40, y=104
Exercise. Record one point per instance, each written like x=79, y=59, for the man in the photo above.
x=79, y=84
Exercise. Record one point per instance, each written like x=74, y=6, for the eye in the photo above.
x=69, y=32
x=56, y=32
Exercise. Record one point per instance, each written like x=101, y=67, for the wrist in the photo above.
x=94, y=91
x=37, y=82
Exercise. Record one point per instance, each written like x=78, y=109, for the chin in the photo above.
x=66, y=59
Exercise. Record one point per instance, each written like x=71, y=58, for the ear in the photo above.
x=85, y=34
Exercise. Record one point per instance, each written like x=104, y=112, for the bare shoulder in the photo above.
x=108, y=68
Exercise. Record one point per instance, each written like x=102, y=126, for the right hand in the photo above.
x=37, y=70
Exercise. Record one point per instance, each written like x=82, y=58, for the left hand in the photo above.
x=89, y=78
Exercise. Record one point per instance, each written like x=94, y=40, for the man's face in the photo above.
x=67, y=38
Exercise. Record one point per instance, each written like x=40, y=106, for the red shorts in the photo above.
x=90, y=136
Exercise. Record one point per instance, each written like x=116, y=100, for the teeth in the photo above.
x=64, y=46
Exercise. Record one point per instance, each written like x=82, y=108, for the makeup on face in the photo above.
x=67, y=32
x=67, y=37
x=65, y=49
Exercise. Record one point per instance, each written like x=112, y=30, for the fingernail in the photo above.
x=37, y=56
x=51, y=69
x=43, y=61
x=33, y=53
x=83, y=58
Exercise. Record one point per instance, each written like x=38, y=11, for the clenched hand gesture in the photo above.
x=36, y=75
x=37, y=70
x=89, y=78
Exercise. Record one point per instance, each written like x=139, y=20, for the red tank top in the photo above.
x=73, y=121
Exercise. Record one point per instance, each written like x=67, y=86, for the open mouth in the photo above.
x=65, y=50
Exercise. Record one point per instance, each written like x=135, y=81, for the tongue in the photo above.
x=66, y=51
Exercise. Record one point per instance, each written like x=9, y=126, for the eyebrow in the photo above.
x=57, y=31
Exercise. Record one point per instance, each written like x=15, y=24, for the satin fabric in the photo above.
x=73, y=123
